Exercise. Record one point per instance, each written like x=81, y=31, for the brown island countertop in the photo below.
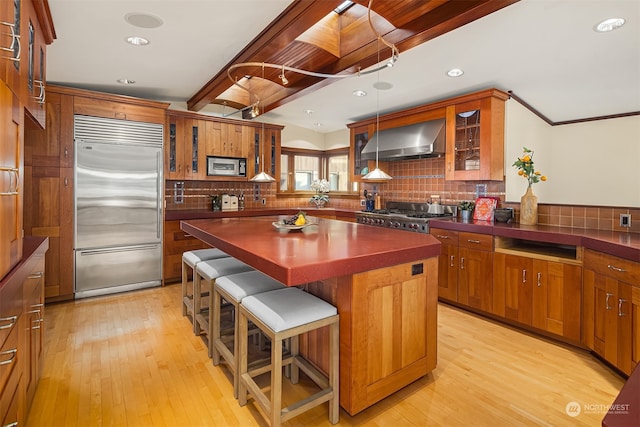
x=382, y=281
x=327, y=249
x=623, y=245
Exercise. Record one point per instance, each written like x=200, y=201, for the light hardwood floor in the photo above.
x=132, y=360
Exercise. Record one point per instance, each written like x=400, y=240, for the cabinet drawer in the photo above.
x=9, y=357
x=618, y=268
x=482, y=242
x=447, y=237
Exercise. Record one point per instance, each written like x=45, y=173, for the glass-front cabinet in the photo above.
x=475, y=138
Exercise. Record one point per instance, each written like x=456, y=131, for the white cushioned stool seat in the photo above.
x=189, y=260
x=233, y=288
x=283, y=309
x=285, y=314
x=209, y=271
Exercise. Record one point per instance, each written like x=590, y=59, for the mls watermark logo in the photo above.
x=573, y=409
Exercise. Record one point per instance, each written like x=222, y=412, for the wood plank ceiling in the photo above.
x=310, y=36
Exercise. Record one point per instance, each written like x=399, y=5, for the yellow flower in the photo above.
x=543, y=178
x=520, y=172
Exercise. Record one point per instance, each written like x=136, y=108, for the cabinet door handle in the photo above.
x=606, y=302
x=524, y=276
x=66, y=151
x=11, y=352
x=66, y=182
x=620, y=301
x=614, y=268
x=461, y=263
x=11, y=320
x=451, y=260
x=473, y=241
x=41, y=96
x=539, y=279
x=36, y=275
x=440, y=236
x=15, y=39
x=14, y=180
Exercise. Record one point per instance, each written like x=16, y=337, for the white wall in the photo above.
x=297, y=137
x=590, y=163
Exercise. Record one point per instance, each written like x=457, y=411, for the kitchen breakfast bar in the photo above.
x=383, y=283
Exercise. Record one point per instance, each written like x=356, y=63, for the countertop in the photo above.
x=174, y=215
x=332, y=248
x=623, y=245
x=30, y=245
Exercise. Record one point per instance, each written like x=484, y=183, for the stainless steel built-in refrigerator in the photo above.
x=118, y=205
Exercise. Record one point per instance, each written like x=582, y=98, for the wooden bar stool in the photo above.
x=233, y=289
x=209, y=271
x=189, y=261
x=281, y=314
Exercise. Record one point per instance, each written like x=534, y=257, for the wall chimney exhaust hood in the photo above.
x=426, y=139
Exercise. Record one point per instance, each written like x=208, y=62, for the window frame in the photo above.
x=323, y=156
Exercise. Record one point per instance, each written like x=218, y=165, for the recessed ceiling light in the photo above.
x=307, y=111
x=455, y=72
x=609, y=25
x=137, y=41
x=143, y=20
x=359, y=93
x=317, y=124
x=126, y=81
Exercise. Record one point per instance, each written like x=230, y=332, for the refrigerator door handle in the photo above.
x=159, y=187
x=115, y=250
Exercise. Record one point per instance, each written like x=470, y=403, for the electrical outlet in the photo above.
x=625, y=220
x=363, y=202
x=264, y=201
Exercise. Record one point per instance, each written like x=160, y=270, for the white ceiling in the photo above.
x=545, y=51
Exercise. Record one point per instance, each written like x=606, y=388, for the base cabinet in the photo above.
x=611, y=309
x=465, y=264
x=388, y=330
x=538, y=293
x=21, y=332
x=176, y=242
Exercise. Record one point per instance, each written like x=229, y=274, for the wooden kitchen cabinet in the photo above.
x=475, y=137
x=34, y=47
x=20, y=344
x=540, y=293
x=49, y=179
x=183, y=157
x=175, y=243
x=11, y=179
x=465, y=273
x=447, y=264
x=10, y=38
x=475, y=273
x=611, y=309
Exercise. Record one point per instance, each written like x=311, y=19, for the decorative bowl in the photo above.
x=503, y=214
x=280, y=226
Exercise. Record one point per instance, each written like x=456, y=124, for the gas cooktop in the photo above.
x=404, y=216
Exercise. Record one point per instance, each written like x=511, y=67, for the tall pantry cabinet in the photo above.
x=26, y=28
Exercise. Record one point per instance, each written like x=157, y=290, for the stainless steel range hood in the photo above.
x=426, y=139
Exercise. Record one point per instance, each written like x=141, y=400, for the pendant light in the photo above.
x=262, y=177
x=377, y=174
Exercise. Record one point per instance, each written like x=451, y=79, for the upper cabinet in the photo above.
x=26, y=28
x=191, y=137
x=475, y=137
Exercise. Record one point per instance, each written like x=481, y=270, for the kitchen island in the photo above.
x=384, y=283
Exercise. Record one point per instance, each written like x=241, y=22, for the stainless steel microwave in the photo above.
x=226, y=166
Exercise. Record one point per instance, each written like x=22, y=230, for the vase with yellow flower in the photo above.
x=529, y=201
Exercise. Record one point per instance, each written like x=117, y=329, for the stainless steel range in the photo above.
x=405, y=216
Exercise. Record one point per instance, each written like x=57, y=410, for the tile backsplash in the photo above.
x=413, y=181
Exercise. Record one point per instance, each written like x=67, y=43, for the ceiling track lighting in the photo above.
x=395, y=54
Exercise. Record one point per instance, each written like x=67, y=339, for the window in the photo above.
x=299, y=168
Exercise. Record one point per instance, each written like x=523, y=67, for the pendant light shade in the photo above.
x=262, y=177
x=377, y=175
